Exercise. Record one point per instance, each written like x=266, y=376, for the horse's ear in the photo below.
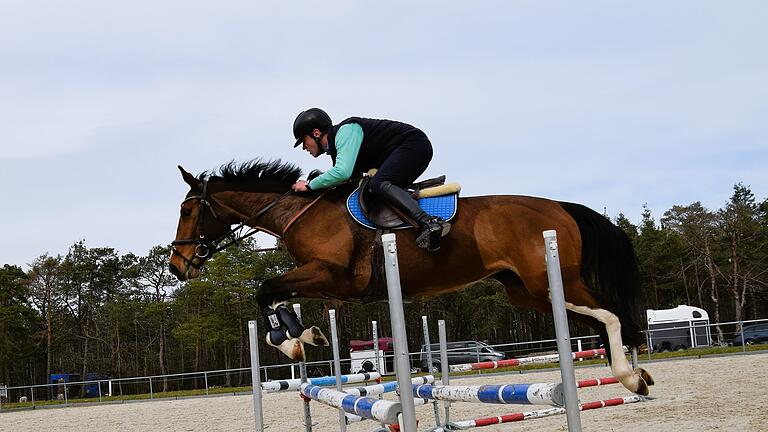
x=189, y=178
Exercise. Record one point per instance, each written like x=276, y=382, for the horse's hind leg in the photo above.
x=636, y=380
x=521, y=293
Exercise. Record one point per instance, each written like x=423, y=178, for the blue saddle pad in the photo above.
x=443, y=206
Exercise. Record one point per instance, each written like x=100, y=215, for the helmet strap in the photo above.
x=319, y=142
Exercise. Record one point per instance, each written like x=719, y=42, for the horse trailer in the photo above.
x=679, y=328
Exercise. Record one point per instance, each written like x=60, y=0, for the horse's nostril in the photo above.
x=174, y=270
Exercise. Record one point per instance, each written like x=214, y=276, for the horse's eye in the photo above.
x=185, y=212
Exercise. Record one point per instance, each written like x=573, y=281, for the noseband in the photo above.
x=205, y=248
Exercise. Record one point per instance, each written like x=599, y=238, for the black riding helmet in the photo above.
x=309, y=120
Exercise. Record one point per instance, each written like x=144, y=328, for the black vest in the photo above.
x=380, y=138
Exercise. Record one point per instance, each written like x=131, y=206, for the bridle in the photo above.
x=204, y=247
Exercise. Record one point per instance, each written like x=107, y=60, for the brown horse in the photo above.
x=492, y=236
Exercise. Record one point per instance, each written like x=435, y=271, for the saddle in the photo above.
x=435, y=196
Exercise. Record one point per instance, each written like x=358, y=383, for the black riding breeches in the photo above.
x=404, y=165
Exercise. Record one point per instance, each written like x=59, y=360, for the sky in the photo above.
x=612, y=104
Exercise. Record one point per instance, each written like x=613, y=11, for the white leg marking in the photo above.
x=619, y=364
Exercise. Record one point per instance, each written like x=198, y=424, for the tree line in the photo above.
x=95, y=310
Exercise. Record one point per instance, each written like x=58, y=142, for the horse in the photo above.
x=495, y=236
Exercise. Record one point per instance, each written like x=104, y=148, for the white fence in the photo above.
x=123, y=390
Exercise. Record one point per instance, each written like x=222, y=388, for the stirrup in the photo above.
x=431, y=233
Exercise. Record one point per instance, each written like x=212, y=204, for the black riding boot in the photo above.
x=277, y=334
x=431, y=228
x=291, y=322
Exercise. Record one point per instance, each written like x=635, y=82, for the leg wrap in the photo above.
x=277, y=333
x=290, y=321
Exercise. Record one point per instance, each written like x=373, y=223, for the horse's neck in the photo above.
x=244, y=205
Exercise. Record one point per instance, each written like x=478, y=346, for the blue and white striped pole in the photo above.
x=383, y=411
x=535, y=394
x=327, y=381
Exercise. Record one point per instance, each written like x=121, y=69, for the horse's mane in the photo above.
x=254, y=171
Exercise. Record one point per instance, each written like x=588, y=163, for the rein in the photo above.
x=206, y=248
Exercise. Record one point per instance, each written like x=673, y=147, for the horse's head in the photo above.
x=200, y=228
x=239, y=193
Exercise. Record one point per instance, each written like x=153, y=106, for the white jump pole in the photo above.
x=379, y=361
x=337, y=365
x=256, y=376
x=446, y=377
x=303, y=376
x=430, y=363
x=561, y=331
x=397, y=316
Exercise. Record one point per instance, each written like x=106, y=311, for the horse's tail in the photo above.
x=609, y=268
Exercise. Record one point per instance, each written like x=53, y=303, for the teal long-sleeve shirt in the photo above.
x=349, y=138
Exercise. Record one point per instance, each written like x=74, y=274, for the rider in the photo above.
x=399, y=152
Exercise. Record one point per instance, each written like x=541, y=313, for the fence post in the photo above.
x=205, y=378
x=256, y=376
x=743, y=342
x=430, y=364
x=303, y=376
x=375, y=334
x=561, y=330
x=444, y=364
x=66, y=397
x=33, y=396
x=397, y=317
x=337, y=364
x=151, y=396
x=648, y=343
x=98, y=384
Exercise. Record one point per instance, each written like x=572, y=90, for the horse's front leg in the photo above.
x=286, y=332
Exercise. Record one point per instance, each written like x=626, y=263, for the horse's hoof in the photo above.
x=314, y=336
x=645, y=376
x=642, y=387
x=292, y=348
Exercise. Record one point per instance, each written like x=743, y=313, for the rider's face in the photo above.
x=310, y=145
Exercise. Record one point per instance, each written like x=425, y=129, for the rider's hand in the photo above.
x=300, y=186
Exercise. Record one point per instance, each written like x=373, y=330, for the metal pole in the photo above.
x=150, y=388
x=98, y=383
x=562, y=332
x=303, y=375
x=379, y=364
x=337, y=365
x=379, y=368
x=33, y=397
x=205, y=377
x=648, y=344
x=635, y=362
x=444, y=364
x=397, y=316
x=258, y=414
x=428, y=345
x=66, y=397
x=477, y=355
x=743, y=342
